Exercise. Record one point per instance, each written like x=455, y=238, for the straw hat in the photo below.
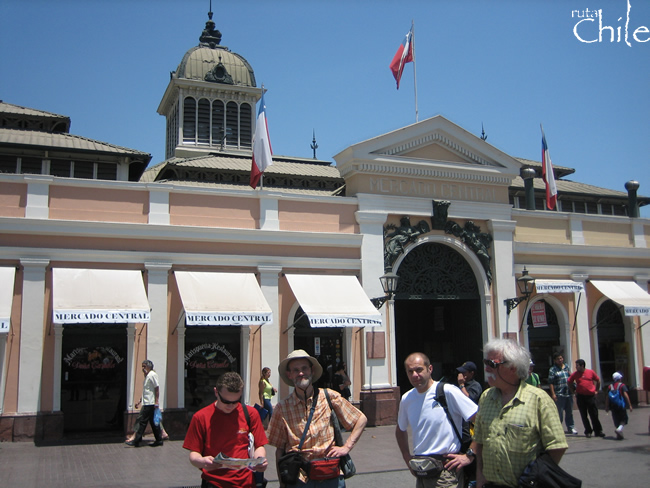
x=316, y=368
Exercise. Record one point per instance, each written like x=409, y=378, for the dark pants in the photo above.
x=587, y=407
x=146, y=416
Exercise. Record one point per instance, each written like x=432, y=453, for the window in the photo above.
x=106, y=171
x=83, y=169
x=592, y=207
x=232, y=128
x=217, y=122
x=189, y=120
x=31, y=166
x=60, y=167
x=245, y=126
x=204, y=122
x=8, y=164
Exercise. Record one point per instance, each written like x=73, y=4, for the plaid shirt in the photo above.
x=559, y=379
x=514, y=434
x=290, y=416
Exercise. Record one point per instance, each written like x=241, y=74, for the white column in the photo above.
x=180, y=332
x=31, y=335
x=130, y=366
x=583, y=337
x=503, y=277
x=271, y=333
x=377, y=372
x=38, y=198
x=642, y=281
x=269, y=214
x=157, y=329
x=159, y=206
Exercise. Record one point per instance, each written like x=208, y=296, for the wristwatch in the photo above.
x=470, y=453
x=461, y=386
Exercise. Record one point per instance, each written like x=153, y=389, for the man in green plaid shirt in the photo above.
x=515, y=421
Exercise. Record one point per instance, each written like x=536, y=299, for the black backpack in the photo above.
x=466, y=438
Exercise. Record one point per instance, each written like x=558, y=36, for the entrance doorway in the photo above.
x=613, y=349
x=437, y=312
x=323, y=343
x=543, y=340
x=93, y=377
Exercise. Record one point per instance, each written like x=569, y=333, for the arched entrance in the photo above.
x=613, y=350
x=437, y=311
x=543, y=337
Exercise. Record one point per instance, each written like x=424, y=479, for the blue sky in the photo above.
x=507, y=64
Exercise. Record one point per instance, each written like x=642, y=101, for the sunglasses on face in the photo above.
x=492, y=364
x=228, y=402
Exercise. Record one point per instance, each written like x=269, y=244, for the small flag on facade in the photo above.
x=262, y=153
x=403, y=55
x=547, y=175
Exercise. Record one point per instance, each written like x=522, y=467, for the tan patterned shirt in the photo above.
x=514, y=434
x=291, y=414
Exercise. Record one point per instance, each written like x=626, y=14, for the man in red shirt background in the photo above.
x=586, y=383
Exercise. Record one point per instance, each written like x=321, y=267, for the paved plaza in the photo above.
x=600, y=463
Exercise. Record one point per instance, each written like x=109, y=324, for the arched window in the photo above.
x=613, y=351
x=189, y=120
x=232, y=124
x=204, y=121
x=245, y=124
x=218, y=122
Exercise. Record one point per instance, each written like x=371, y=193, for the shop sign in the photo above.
x=196, y=318
x=538, y=312
x=100, y=316
x=93, y=358
x=209, y=356
x=321, y=321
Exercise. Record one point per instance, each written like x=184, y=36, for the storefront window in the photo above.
x=209, y=352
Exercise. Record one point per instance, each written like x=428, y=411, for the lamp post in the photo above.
x=389, y=285
x=525, y=284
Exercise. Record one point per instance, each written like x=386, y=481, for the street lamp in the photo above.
x=389, y=285
x=525, y=284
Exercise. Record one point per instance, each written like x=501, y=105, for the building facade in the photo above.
x=185, y=265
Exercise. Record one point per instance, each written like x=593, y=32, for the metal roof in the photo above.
x=47, y=140
x=10, y=108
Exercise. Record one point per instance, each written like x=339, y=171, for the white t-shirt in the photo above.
x=432, y=432
x=149, y=388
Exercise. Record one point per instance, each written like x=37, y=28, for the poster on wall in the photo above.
x=538, y=313
x=211, y=355
x=92, y=358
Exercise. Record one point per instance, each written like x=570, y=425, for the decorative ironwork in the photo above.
x=477, y=241
x=436, y=271
x=219, y=74
x=397, y=238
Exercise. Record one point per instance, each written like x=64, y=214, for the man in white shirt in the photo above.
x=433, y=434
x=150, y=395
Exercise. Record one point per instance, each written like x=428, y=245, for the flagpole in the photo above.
x=415, y=78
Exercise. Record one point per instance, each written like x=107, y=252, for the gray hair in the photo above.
x=147, y=363
x=511, y=352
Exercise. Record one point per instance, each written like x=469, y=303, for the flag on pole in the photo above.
x=262, y=153
x=403, y=55
x=547, y=175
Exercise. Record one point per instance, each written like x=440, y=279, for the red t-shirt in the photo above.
x=584, y=381
x=212, y=431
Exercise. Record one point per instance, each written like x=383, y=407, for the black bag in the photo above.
x=346, y=464
x=543, y=472
x=289, y=467
x=425, y=466
x=466, y=437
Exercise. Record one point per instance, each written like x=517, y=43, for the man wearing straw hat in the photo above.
x=290, y=416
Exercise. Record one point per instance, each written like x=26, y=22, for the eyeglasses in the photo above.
x=227, y=402
x=492, y=364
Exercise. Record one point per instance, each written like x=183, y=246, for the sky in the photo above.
x=505, y=65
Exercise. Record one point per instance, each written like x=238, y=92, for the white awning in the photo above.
x=334, y=301
x=559, y=286
x=99, y=296
x=7, y=276
x=626, y=293
x=222, y=299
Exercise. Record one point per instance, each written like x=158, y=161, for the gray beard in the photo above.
x=303, y=383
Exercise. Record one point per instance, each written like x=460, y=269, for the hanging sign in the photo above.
x=538, y=313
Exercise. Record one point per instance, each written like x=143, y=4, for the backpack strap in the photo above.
x=442, y=401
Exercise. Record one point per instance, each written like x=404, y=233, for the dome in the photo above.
x=212, y=62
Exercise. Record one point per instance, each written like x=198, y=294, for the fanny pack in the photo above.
x=426, y=466
x=289, y=467
x=323, y=469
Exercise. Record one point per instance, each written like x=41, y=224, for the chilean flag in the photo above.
x=548, y=176
x=262, y=153
x=403, y=55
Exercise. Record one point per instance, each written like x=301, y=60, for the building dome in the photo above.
x=209, y=61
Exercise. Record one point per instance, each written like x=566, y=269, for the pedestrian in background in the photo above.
x=266, y=391
x=558, y=380
x=619, y=415
x=533, y=378
x=586, y=384
x=149, y=401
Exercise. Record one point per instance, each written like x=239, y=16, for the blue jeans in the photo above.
x=565, y=405
x=333, y=483
x=267, y=405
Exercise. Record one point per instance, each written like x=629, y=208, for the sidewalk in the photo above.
x=598, y=462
